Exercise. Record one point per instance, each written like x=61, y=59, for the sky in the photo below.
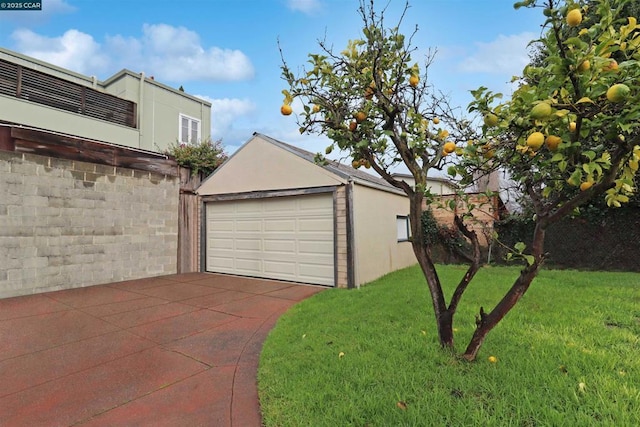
x=227, y=51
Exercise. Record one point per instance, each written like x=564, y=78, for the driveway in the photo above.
x=178, y=350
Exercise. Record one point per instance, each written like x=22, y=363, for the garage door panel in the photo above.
x=280, y=268
x=315, y=248
x=280, y=246
x=248, y=225
x=247, y=265
x=289, y=238
x=315, y=224
x=279, y=225
x=220, y=262
x=223, y=243
x=310, y=271
x=248, y=245
x=220, y=225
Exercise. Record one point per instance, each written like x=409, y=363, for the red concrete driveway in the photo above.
x=177, y=350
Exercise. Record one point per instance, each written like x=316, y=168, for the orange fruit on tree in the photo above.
x=449, y=147
x=414, y=80
x=584, y=66
x=360, y=116
x=286, y=109
x=552, y=142
x=611, y=66
x=353, y=126
x=586, y=185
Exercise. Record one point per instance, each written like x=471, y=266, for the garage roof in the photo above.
x=343, y=171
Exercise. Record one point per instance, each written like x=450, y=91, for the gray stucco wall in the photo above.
x=67, y=224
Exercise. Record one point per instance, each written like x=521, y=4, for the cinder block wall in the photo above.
x=67, y=224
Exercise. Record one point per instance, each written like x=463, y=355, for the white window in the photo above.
x=402, y=223
x=189, y=129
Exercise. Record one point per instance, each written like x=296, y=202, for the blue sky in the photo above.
x=226, y=51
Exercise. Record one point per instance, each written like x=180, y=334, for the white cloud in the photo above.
x=224, y=113
x=305, y=6
x=166, y=52
x=504, y=55
x=73, y=50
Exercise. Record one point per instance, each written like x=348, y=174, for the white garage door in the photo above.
x=288, y=238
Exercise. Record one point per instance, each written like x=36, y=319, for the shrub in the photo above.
x=203, y=157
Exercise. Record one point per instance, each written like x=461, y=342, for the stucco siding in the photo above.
x=27, y=113
x=377, y=250
x=160, y=110
x=261, y=166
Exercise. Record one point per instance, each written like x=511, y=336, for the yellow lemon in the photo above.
x=535, y=140
x=574, y=17
x=490, y=120
x=618, y=92
x=541, y=111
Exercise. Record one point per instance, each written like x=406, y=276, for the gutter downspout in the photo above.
x=140, y=109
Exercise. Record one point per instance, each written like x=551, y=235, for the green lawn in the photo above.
x=567, y=355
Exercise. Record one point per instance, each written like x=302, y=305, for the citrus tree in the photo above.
x=570, y=132
x=374, y=103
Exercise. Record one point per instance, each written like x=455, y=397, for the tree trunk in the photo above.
x=486, y=322
x=444, y=319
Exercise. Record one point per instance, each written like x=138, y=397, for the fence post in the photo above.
x=188, y=222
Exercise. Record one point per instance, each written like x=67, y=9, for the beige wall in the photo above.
x=27, y=113
x=160, y=109
x=261, y=166
x=377, y=250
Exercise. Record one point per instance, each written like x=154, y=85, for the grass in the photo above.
x=568, y=354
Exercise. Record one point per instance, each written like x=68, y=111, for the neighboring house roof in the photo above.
x=89, y=81
x=150, y=80
x=429, y=178
x=343, y=171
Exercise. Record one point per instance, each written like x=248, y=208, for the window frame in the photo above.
x=405, y=221
x=192, y=121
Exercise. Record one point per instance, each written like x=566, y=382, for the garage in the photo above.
x=285, y=238
x=272, y=210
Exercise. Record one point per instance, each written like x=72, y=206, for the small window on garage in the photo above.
x=189, y=129
x=403, y=228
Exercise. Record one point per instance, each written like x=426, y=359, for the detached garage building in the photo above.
x=270, y=211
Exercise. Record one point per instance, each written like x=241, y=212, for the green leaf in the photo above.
x=530, y=259
x=520, y=247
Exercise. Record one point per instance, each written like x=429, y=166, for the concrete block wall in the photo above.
x=67, y=224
